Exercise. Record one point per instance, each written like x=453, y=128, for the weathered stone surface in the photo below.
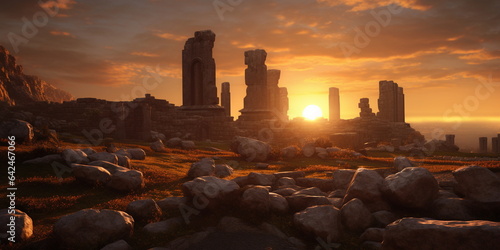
x=144, y=210
x=204, y=167
x=256, y=200
x=93, y=175
x=251, y=149
x=158, y=146
x=123, y=152
x=418, y=233
x=383, y=218
x=371, y=245
x=289, y=152
x=314, y=191
x=226, y=98
x=257, y=98
x=355, y=216
x=241, y=180
x=301, y=202
x=211, y=187
x=112, y=168
x=373, y=234
x=104, y=156
x=74, y=156
x=283, y=181
x=126, y=180
x=391, y=102
x=278, y=203
x=136, y=153
x=48, y=159
x=365, y=186
x=21, y=231
x=174, y=142
x=21, y=130
x=285, y=191
x=321, y=152
x=308, y=150
x=117, y=245
x=339, y=193
x=413, y=187
x=291, y=174
x=261, y=179
x=322, y=221
x=92, y=228
x=342, y=178
x=164, y=227
x=188, y=145
x=451, y=209
x=478, y=183
x=123, y=161
x=223, y=170
x=402, y=162
x=261, y=165
x=171, y=203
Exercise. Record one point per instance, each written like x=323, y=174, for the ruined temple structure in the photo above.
x=334, y=104
x=225, y=97
x=391, y=102
x=284, y=102
x=364, y=105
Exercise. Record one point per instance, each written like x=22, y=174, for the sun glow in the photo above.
x=312, y=112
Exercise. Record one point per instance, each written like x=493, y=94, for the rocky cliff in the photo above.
x=16, y=88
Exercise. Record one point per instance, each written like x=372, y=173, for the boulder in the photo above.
x=261, y=165
x=301, y=202
x=373, y=234
x=261, y=179
x=355, y=216
x=419, y=233
x=413, y=187
x=241, y=180
x=21, y=130
x=136, y=153
x=174, y=142
x=401, y=163
x=123, y=161
x=223, y=170
x=21, y=231
x=74, y=156
x=188, y=145
x=314, y=191
x=164, y=227
x=104, y=156
x=157, y=136
x=123, y=152
x=371, y=245
x=92, y=228
x=291, y=174
x=212, y=188
x=251, y=149
x=284, y=181
x=126, y=181
x=93, y=175
x=157, y=146
x=289, y=152
x=117, y=245
x=112, y=168
x=308, y=150
x=342, y=178
x=321, y=152
x=339, y=193
x=325, y=185
x=144, y=210
x=383, y=218
x=321, y=221
x=285, y=191
x=171, y=203
x=451, y=209
x=204, y=167
x=278, y=203
x=478, y=183
x=256, y=200
x=45, y=160
x=365, y=185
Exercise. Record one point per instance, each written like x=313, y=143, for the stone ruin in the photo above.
x=364, y=105
x=334, y=104
x=391, y=102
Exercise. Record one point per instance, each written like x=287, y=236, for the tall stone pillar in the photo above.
x=226, y=98
x=391, y=102
x=334, y=104
x=198, y=70
x=450, y=139
x=364, y=106
x=400, y=105
x=284, y=102
x=494, y=145
x=483, y=144
x=273, y=91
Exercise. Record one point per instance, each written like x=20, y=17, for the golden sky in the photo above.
x=446, y=54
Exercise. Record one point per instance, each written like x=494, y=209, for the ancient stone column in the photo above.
x=364, y=105
x=450, y=139
x=198, y=70
x=273, y=91
x=400, y=106
x=284, y=102
x=226, y=98
x=391, y=102
x=483, y=144
x=334, y=104
x=494, y=145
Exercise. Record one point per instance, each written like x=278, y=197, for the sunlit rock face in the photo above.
x=16, y=88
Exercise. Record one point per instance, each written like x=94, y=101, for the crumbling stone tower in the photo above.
x=198, y=70
x=391, y=102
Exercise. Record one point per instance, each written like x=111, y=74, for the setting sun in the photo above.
x=312, y=112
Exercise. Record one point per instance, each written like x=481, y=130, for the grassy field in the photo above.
x=46, y=198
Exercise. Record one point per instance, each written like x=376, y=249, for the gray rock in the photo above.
x=478, y=183
x=413, y=187
x=314, y=191
x=126, y=181
x=256, y=200
x=301, y=202
x=104, y=156
x=339, y=193
x=321, y=221
x=117, y=245
x=123, y=152
x=89, y=151
x=402, y=162
x=451, y=209
x=285, y=191
x=291, y=174
x=278, y=203
x=342, y=178
x=365, y=185
x=325, y=185
x=157, y=146
x=174, y=142
x=289, y=152
x=171, y=203
x=144, y=210
x=21, y=130
x=74, y=156
x=213, y=188
x=93, y=175
x=373, y=234
x=164, y=227
x=92, y=228
x=261, y=179
x=204, y=167
x=23, y=229
x=112, y=168
x=251, y=149
x=283, y=181
x=223, y=170
x=308, y=150
x=188, y=145
x=355, y=216
x=383, y=218
x=123, y=161
x=413, y=233
x=136, y=153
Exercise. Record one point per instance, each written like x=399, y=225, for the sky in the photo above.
x=445, y=54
